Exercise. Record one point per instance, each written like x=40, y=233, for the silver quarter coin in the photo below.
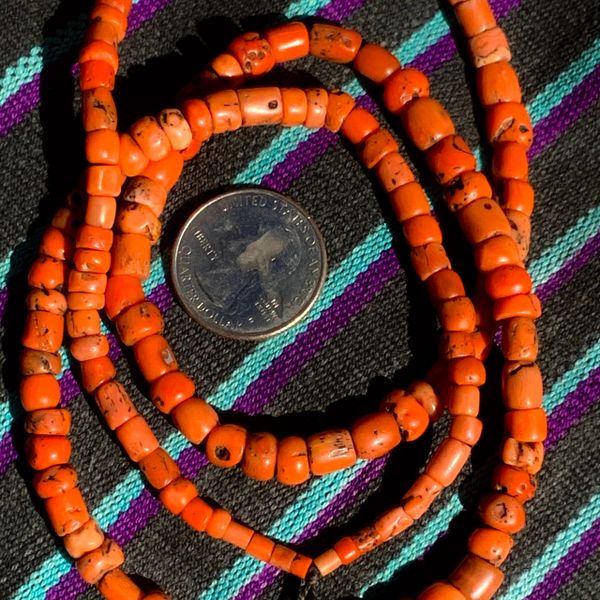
x=248, y=264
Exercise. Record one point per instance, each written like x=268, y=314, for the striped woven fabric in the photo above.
x=371, y=329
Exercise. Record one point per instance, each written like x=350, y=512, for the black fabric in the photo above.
x=388, y=344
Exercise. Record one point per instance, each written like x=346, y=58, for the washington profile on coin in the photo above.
x=248, y=264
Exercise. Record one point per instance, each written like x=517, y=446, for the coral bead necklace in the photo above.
x=96, y=253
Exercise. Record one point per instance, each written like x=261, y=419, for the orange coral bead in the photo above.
x=260, y=456
x=510, y=161
x=317, y=100
x=292, y=461
x=46, y=273
x=339, y=107
x=375, y=435
x=260, y=106
x=176, y=127
x=466, y=429
x=411, y=418
x=496, y=252
x=347, y=550
x=463, y=400
x=447, y=461
x=132, y=160
x=467, y=370
x=154, y=357
x=523, y=455
x=197, y=114
x=139, y=321
x=56, y=244
x=429, y=259
x=441, y=591
x=420, y=496
x=103, y=180
x=482, y=219
x=408, y=201
x=502, y=512
x=90, y=346
x=392, y=172
x=137, y=438
x=114, y=404
x=295, y=107
x=457, y=314
x=109, y=14
x=178, y=494
x=474, y=16
x=150, y=193
x=253, y=53
x=100, y=50
x=43, y=331
x=456, y=344
x=50, y=301
x=521, y=305
x=225, y=111
x=171, y=390
x=91, y=261
x=517, y=196
x=115, y=585
x=515, y=482
x=333, y=43
x=522, y=386
x=509, y=122
x=218, y=523
x=53, y=421
x=197, y=514
x=476, y=578
x=260, y=547
x=101, y=211
x=36, y=362
x=54, y=481
x=85, y=539
x=66, y=512
x=426, y=122
x=392, y=522
x=139, y=219
x=445, y=285
x=150, y=137
x=102, y=31
x=519, y=340
x=496, y=83
x=376, y=146
x=358, y=125
x=102, y=147
x=39, y=392
x=288, y=42
x=87, y=283
x=490, y=544
x=159, y=468
x=131, y=255
x=330, y=451
x=225, y=445
x=94, y=238
x=375, y=63
x=425, y=395
x=83, y=322
x=97, y=371
x=467, y=187
x=489, y=47
x=122, y=291
x=527, y=425
x=96, y=74
x=402, y=87
x=328, y=562
x=165, y=171
x=449, y=158
x=225, y=65
x=195, y=418
x=421, y=230
x=95, y=564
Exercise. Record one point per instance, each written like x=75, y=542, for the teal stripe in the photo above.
x=552, y=400
x=554, y=552
x=302, y=8
x=232, y=579
x=320, y=493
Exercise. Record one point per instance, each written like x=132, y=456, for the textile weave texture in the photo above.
x=371, y=330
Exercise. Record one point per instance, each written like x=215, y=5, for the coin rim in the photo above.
x=275, y=330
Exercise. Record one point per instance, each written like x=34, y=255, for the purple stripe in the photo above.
x=568, y=565
x=570, y=269
x=26, y=99
x=294, y=356
x=573, y=408
x=561, y=117
x=346, y=497
x=338, y=10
